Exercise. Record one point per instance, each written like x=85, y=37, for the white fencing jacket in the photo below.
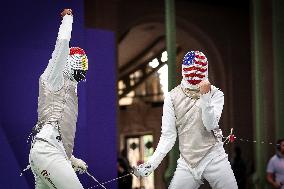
x=211, y=106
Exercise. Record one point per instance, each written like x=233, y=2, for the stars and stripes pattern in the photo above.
x=194, y=67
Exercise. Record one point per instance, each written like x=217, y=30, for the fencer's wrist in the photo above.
x=67, y=19
x=205, y=99
x=151, y=164
x=72, y=158
x=78, y=165
x=156, y=159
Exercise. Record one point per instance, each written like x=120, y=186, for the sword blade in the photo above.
x=95, y=180
x=112, y=180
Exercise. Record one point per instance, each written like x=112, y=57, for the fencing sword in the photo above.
x=99, y=184
x=231, y=138
x=111, y=180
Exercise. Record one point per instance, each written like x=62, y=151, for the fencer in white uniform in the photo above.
x=51, y=158
x=192, y=111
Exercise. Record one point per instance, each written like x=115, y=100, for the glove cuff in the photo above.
x=156, y=159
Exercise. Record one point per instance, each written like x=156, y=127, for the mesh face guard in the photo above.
x=194, y=67
x=77, y=64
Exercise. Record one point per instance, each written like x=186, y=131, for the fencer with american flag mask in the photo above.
x=192, y=111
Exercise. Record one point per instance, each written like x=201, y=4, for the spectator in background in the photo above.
x=123, y=168
x=239, y=168
x=275, y=167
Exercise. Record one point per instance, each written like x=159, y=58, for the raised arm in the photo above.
x=53, y=74
x=166, y=142
x=211, y=102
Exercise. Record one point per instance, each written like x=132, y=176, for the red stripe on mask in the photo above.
x=201, y=63
x=195, y=68
x=194, y=75
x=193, y=81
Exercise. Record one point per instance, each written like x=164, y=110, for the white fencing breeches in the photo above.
x=218, y=173
x=51, y=168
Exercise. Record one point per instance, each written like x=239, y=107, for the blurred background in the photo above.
x=135, y=49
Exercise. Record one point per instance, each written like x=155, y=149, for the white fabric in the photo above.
x=50, y=165
x=60, y=108
x=217, y=172
x=65, y=28
x=212, y=108
x=49, y=132
x=211, y=113
x=53, y=74
x=168, y=136
x=217, y=151
x=195, y=142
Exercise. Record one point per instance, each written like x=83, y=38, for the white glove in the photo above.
x=218, y=134
x=78, y=165
x=143, y=170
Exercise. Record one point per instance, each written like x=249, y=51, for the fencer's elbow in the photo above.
x=173, y=140
x=208, y=128
x=168, y=144
x=63, y=41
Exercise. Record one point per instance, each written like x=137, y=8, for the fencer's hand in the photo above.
x=204, y=86
x=66, y=11
x=78, y=165
x=143, y=170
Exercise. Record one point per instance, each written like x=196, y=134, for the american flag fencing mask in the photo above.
x=194, y=67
